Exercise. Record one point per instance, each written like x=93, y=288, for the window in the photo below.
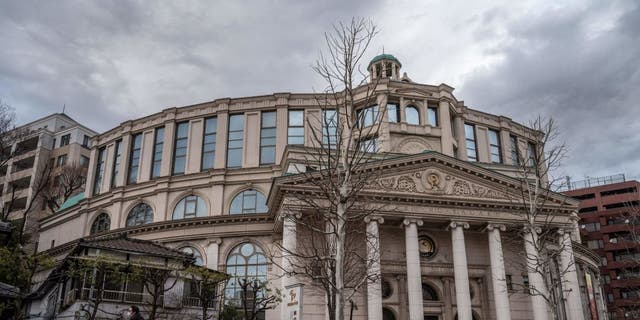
x=117, y=156
x=412, y=115
x=249, y=201
x=369, y=145
x=158, y=145
x=591, y=227
x=235, y=141
x=134, y=158
x=494, y=146
x=195, y=253
x=101, y=224
x=64, y=140
x=603, y=261
x=606, y=278
x=61, y=161
x=190, y=207
x=429, y=293
x=515, y=154
x=180, y=148
x=268, y=138
x=525, y=283
x=609, y=297
x=432, y=113
x=393, y=112
x=509, y=281
x=209, y=143
x=53, y=144
x=97, y=183
x=533, y=157
x=84, y=161
x=85, y=141
x=139, y=215
x=367, y=116
x=329, y=128
x=295, y=132
x=595, y=244
x=246, y=262
x=470, y=137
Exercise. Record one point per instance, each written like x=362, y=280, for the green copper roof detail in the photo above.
x=385, y=56
x=71, y=201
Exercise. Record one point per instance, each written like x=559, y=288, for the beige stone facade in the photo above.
x=475, y=189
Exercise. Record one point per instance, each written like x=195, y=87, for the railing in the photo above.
x=195, y=302
x=109, y=295
x=592, y=182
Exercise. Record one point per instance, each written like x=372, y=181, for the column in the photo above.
x=374, y=287
x=414, y=275
x=213, y=250
x=569, y=276
x=498, y=276
x=461, y=274
x=536, y=282
x=289, y=244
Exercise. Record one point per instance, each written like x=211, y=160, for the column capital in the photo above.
x=214, y=240
x=408, y=221
x=456, y=224
x=290, y=215
x=563, y=231
x=529, y=229
x=376, y=219
x=496, y=226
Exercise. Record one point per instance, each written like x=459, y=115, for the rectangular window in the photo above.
x=84, y=161
x=85, y=141
x=509, y=281
x=494, y=146
x=367, y=116
x=515, y=154
x=53, y=144
x=525, y=283
x=64, y=140
x=117, y=156
x=329, y=128
x=369, y=145
x=268, y=138
x=61, y=161
x=235, y=141
x=393, y=112
x=180, y=148
x=432, y=113
x=134, y=158
x=97, y=183
x=295, y=131
x=595, y=244
x=470, y=137
x=158, y=145
x=533, y=157
x=209, y=143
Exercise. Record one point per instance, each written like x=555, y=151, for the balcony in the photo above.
x=625, y=283
x=195, y=302
x=108, y=296
x=623, y=227
x=621, y=245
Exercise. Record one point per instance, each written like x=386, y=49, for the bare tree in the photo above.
x=9, y=135
x=67, y=181
x=207, y=286
x=157, y=281
x=331, y=252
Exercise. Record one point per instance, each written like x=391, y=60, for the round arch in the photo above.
x=100, y=222
x=174, y=202
x=148, y=216
x=190, y=206
x=241, y=192
x=125, y=212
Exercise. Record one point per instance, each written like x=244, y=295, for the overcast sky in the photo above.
x=109, y=61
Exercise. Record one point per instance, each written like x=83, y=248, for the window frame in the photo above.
x=493, y=147
x=330, y=128
x=265, y=147
x=469, y=140
x=100, y=221
x=176, y=140
x=148, y=215
x=432, y=115
x=196, y=200
x=65, y=140
x=99, y=173
x=395, y=112
x=134, y=162
x=117, y=159
x=367, y=116
x=406, y=115
x=158, y=148
x=245, y=194
x=213, y=135
x=292, y=138
x=240, y=147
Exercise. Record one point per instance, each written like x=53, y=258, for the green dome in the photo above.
x=384, y=56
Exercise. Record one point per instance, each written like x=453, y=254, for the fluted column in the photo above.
x=569, y=276
x=536, y=282
x=498, y=276
x=460, y=271
x=289, y=246
x=374, y=287
x=414, y=276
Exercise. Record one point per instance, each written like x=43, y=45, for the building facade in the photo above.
x=213, y=178
x=609, y=218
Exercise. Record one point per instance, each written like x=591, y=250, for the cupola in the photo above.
x=384, y=66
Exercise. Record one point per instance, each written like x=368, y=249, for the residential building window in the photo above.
x=246, y=262
x=295, y=131
x=470, y=137
x=190, y=206
x=139, y=215
x=61, y=160
x=84, y=161
x=180, y=148
x=412, y=115
x=117, y=157
x=494, y=146
x=85, y=141
x=369, y=145
x=158, y=146
x=368, y=116
x=268, y=138
x=393, y=112
x=195, y=253
x=329, y=128
x=591, y=227
x=249, y=201
x=235, y=141
x=603, y=261
x=595, y=244
x=101, y=224
x=64, y=140
x=515, y=154
x=432, y=113
x=209, y=143
x=533, y=157
x=97, y=183
x=606, y=278
x=134, y=158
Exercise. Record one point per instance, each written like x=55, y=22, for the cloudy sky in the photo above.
x=109, y=61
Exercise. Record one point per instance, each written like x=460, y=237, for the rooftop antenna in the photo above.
x=64, y=106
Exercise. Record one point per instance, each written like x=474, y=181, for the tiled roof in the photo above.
x=124, y=243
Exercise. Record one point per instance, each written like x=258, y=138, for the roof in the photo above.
x=121, y=242
x=72, y=201
x=384, y=56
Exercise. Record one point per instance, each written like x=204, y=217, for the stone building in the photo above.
x=211, y=179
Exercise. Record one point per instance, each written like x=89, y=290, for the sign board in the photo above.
x=293, y=301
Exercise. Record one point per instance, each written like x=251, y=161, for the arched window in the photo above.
x=101, y=224
x=429, y=293
x=412, y=115
x=190, y=207
x=245, y=262
x=387, y=314
x=249, y=201
x=139, y=215
x=195, y=253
